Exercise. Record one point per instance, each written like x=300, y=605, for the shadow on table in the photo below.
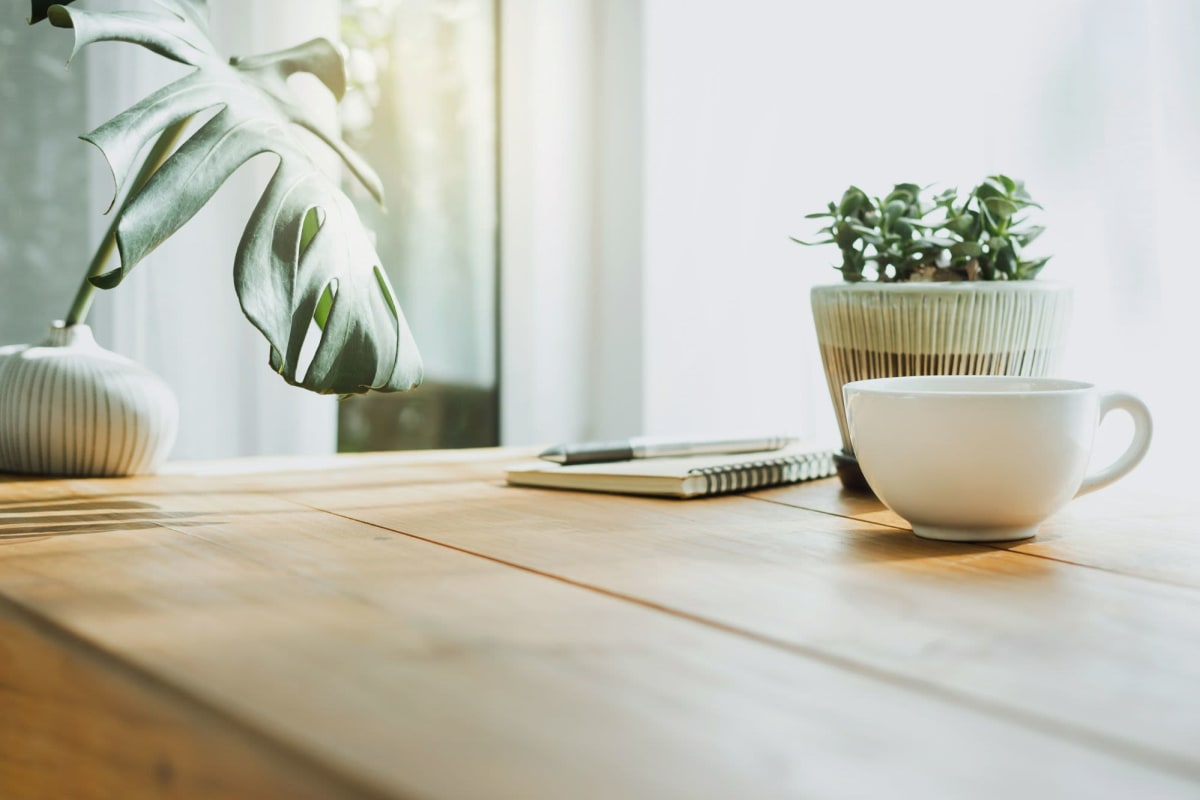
x=71, y=517
x=874, y=543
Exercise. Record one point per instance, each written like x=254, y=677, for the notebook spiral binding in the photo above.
x=769, y=472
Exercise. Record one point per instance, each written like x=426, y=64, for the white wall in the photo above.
x=727, y=331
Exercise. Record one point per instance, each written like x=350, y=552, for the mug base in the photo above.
x=974, y=534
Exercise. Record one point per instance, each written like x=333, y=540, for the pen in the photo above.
x=646, y=447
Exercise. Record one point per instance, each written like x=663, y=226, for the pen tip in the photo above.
x=554, y=454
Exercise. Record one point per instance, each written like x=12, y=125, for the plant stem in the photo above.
x=154, y=159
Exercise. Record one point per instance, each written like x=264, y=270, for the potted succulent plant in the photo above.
x=305, y=269
x=934, y=284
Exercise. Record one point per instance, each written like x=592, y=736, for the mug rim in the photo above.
x=968, y=385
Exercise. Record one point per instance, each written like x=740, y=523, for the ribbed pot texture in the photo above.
x=869, y=330
x=69, y=407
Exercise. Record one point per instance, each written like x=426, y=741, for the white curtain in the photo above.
x=178, y=312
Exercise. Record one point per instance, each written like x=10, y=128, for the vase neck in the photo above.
x=69, y=336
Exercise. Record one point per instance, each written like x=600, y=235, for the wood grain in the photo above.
x=408, y=627
x=1101, y=657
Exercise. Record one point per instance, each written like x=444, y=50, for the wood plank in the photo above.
x=429, y=672
x=75, y=723
x=1102, y=657
x=1116, y=529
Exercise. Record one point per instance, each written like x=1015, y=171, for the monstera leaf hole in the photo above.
x=312, y=91
x=385, y=289
x=315, y=327
x=325, y=304
x=314, y=218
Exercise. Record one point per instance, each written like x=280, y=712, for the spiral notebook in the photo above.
x=689, y=476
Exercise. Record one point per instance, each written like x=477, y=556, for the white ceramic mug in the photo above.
x=984, y=458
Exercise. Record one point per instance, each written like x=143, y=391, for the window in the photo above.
x=422, y=110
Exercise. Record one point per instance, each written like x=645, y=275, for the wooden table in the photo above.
x=405, y=625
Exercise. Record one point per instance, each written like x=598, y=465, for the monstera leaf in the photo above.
x=304, y=257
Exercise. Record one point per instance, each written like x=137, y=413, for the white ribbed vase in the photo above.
x=871, y=330
x=70, y=407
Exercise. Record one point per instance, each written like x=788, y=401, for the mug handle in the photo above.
x=1143, y=428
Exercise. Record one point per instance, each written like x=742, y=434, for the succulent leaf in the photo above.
x=977, y=238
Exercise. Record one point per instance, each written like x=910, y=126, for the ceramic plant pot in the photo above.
x=873, y=330
x=70, y=407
